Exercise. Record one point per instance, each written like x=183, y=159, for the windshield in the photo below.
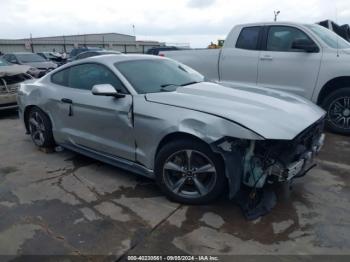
x=77, y=51
x=27, y=58
x=329, y=37
x=151, y=76
x=4, y=62
x=50, y=55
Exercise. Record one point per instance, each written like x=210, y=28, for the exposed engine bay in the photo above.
x=264, y=162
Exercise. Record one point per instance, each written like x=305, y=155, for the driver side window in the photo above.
x=281, y=38
x=85, y=76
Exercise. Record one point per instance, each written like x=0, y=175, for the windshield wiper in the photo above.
x=190, y=83
x=185, y=84
x=166, y=88
x=166, y=85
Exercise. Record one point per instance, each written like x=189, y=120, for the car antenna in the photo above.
x=336, y=19
x=276, y=13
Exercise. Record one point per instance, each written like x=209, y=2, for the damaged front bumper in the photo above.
x=9, y=84
x=8, y=101
x=299, y=167
x=257, y=163
x=8, y=96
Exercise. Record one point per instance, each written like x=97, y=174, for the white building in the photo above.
x=111, y=41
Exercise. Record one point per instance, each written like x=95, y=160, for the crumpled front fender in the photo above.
x=233, y=159
x=212, y=128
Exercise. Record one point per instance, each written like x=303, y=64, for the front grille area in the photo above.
x=9, y=89
x=308, y=136
x=8, y=104
x=288, y=151
x=10, y=84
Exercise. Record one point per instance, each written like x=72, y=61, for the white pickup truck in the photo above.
x=305, y=59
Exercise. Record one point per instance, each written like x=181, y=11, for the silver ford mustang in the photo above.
x=158, y=118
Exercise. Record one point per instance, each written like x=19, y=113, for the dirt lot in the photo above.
x=64, y=203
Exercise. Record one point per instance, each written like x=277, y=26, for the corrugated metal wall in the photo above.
x=112, y=41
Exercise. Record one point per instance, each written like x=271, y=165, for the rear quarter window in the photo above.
x=248, y=38
x=60, y=78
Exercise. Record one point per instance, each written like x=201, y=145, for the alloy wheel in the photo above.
x=37, y=128
x=339, y=112
x=189, y=174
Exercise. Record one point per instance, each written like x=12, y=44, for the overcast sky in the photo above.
x=174, y=21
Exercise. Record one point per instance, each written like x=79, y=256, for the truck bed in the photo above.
x=205, y=61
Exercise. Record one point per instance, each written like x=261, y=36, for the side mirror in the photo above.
x=305, y=45
x=106, y=90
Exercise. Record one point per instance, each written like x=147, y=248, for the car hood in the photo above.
x=13, y=70
x=271, y=114
x=44, y=65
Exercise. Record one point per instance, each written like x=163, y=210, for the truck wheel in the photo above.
x=337, y=105
x=189, y=172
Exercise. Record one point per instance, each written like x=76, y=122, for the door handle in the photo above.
x=66, y=100
x=266, y=58
x=70, y=102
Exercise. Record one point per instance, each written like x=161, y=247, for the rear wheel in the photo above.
x=337, y=105
x=189, y=172
x=40, y=128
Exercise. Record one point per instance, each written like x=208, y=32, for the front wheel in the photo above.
x=189, y=172
x=337, y=105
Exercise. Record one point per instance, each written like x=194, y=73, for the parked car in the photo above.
x=77, y=51
x=10, y=78
x=95, y=53
x=156, y=117
x=32, y=71
x=156, y=50
x=53, y=57
x=308, y=60
x=32, y=60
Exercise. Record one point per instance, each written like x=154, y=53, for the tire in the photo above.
x=185, y=183
x=40, y=128
x=337, y=105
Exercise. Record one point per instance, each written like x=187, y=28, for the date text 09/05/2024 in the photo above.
x=173, y=258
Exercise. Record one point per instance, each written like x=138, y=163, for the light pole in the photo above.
x=133, y=29
x=276, y=14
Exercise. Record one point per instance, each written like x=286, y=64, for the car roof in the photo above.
x=87, y=48
x=115, y=58
x=282, y=23
x=21, y=53
x=165, y=47
x=126, y=57
x=111, y=59
x=101, y=52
